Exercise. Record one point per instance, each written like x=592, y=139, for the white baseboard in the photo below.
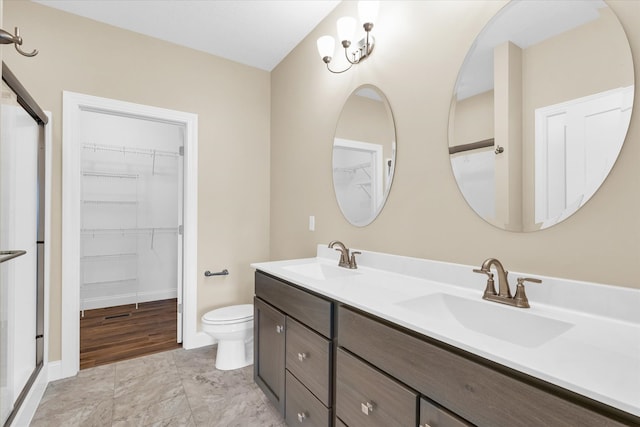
x=54, y=371
x=200, y=339
x=30, y=405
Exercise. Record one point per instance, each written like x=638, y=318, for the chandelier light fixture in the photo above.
x=368, y=12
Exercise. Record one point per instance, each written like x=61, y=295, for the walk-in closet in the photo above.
x=130, y=249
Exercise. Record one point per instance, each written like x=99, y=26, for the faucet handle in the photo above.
x=352, y=260
x=482, y=271
x=520, y=298
x=490, y=289
x=528, y=279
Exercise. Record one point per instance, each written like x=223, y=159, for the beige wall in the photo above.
x=472, y=119
x=295, y=108
x=420, y=46
x=367, y=120
x=232, y=103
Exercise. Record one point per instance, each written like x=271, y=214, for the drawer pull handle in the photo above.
x=367, y=408
x=302, y=416
x=302, y=356
x=279, y=329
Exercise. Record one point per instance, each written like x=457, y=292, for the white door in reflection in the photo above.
x=576, y=144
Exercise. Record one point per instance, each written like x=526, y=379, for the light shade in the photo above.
x=368, y=11
x=346, y=28
x=326, y=46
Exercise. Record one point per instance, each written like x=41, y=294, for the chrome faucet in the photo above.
x=504, y=293
x=346, y=260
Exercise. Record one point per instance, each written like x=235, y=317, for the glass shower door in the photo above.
x=20, y=137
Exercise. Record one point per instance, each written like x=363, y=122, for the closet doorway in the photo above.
x=128, y=199
x=130, y=237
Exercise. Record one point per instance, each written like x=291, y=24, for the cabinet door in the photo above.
x=269, y=352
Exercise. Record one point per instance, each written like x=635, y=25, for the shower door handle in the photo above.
x=7, y=255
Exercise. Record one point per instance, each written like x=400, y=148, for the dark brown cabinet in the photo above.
x=293, y=343
x=326, y=364
x=475, y=390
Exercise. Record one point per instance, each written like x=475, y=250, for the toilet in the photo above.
x=232, y=328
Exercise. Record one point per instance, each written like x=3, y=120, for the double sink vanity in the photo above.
x=383, y=340
x=402, y=341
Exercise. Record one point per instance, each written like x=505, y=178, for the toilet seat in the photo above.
x=227, y=315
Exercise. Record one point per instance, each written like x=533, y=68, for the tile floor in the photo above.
x=174, y=388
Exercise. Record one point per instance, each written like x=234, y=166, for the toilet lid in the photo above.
x=230, y=314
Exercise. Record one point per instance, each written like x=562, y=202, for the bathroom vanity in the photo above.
x=375, y=347
x=293, y=353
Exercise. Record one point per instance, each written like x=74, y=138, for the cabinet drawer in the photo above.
x=311, y=310
x=366, y=397
x=302, y=407
x=308, y=356
x=466, y=386
x=431, y=415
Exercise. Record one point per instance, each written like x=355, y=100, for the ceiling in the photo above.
x=524, y=23
x=259, y=33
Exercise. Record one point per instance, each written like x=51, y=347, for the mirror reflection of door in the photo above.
x=573, y=152
x=364, y=149
x=556, y=71
x=358, y=177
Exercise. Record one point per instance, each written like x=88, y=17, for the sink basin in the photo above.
x=318, y=271
x=513, y=325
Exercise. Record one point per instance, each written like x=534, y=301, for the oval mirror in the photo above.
x=364, y=155
x=540, y=111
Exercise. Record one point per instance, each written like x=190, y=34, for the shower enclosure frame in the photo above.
x=73, y=105
x=30, y=396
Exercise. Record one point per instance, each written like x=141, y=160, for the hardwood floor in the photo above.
x=112, y=334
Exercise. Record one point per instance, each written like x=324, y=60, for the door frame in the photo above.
x=73, y=105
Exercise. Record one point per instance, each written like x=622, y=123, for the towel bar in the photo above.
x=224, y=272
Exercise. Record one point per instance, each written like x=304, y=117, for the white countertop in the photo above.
x=598, y=356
